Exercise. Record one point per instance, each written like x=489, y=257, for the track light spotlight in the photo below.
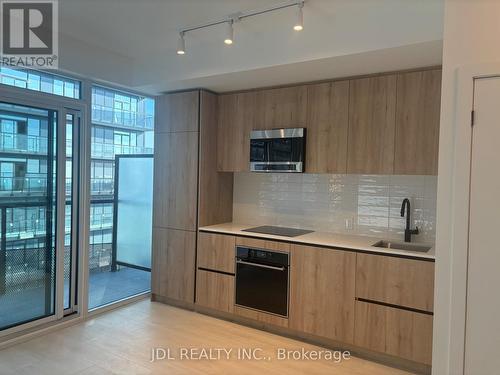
x=299, y=23
x=181, y=44
x=229, y=33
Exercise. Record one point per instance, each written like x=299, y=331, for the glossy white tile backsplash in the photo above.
x=351, y=204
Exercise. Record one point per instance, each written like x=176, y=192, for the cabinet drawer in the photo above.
x=394, y=331
x=215, y=290
x=216, y=252
x=263, y=244
x=396, y=281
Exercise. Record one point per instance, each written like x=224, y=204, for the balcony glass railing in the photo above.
x=22, y=143
x=23, y=185
x=106, y=115
x=108, y=151
x=102, y=186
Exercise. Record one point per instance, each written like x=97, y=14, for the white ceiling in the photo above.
x=133, y=42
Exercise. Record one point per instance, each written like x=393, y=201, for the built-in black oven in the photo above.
x=277, y=150
x=262, y=279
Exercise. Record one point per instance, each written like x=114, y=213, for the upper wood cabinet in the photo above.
x=215, y=188
x=281, y=108
x=322, y=292
x=236, y=118
x=417, y=122
x=396, y=281
x=176, y=180
x=372, y=112
x=177, y=112
x=327, y=127
x=386, y=124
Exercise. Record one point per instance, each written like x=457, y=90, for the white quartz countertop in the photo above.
x=340, y=241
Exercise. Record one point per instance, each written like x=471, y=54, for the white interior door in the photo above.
x=482, y=343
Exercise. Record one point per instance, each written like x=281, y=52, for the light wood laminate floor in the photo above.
x=120, y=342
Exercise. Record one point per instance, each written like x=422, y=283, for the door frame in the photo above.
x=452, y=234
x=62, y=105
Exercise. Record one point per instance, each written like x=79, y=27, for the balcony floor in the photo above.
x=104, y=288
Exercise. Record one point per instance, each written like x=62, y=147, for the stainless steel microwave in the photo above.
x=277, y=150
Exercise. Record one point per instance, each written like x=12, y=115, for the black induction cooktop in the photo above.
x=278, y=231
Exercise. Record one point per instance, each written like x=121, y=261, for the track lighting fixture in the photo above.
x=231, y=19
x=181, y=44
x=229, y=33
x=299, y=24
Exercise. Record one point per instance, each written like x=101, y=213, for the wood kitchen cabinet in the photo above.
x=417, y=122
x=236, y=118
x=177, y=112
x=281, y=108
x=174, y=264
x=396, y=281
x=372, y=112
x=215, y=188
x=176, y=180
x=401, y=333
x=327, y=127
x=322, y=292
x=215, y=290
x=216, y=252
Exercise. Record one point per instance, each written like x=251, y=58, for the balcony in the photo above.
x=24, y=186
x=23, y=144
x=22, y=291
x=108, y=151
x=130, y=119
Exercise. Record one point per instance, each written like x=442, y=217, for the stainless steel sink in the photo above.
x=402, y=246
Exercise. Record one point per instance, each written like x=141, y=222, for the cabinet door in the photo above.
x=397, y=281
x=327, y=127
x=401, y=333
x=174, y=264
x=215, y=290
x=175, y=180
x=417, y=122
x=322, y=292
x=372, y=112
x=235, y=121
x=281, y=108
x=176, y=112
x=216, y=252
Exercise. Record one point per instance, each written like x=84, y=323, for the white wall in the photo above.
x=323, y=202
x=471, y=36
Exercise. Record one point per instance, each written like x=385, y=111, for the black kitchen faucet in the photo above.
x=408, y=231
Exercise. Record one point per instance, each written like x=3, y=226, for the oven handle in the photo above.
x=261, y=265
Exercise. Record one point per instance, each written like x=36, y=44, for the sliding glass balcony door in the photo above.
x=38, y=253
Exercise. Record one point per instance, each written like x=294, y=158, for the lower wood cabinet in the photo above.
x=397, y=281
x=215, y=290
x=173, y=264
x=322, y=292
x=216, y=252
x=401, y=333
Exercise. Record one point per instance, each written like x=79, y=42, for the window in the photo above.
x=38, y=81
